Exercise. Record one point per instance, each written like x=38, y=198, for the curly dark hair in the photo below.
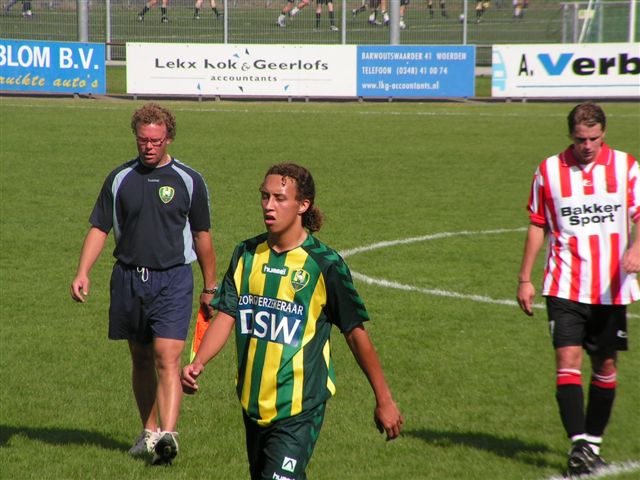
x=154, y=113
x=313, y=218
x=589, y=114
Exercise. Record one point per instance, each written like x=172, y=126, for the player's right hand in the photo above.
x=526, y=296
x=80, y=288
x=188, y=378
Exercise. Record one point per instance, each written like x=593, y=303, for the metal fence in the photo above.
x=116, y=22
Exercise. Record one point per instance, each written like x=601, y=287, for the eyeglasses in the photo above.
x=156, y=142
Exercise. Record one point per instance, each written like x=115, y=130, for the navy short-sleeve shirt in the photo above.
x=152, y=212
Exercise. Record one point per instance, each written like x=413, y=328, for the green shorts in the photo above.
x=282, y=450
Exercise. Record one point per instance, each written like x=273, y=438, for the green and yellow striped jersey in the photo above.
x=284, y=305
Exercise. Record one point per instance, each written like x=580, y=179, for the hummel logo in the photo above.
x=587, y=183
x=289, y=464
x=276, y=271
x=621, y=334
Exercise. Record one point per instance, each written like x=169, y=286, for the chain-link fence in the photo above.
x=115, y=22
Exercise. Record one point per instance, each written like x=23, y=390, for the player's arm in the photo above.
x=532, y=246
x=387, y=415
x=93, y=245
x=631, y=258
x=203, y=246
x=214, y=339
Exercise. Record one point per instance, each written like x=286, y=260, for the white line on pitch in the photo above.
x=609, y=470
x=435, y=291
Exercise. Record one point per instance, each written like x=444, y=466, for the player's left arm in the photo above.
x=631, y=258
x=386, y=415
x=203, y=246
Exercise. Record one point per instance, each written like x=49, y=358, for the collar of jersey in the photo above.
x=604, y=157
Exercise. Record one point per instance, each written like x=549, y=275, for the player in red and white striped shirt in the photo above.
x=584, y=201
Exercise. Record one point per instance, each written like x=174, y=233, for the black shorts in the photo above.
x=283, y=449
x=373, y=4
x=404, y=2
x=147, y=304
x=600, y=329
x=324, y=2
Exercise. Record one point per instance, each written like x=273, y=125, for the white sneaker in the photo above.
x=145, y=443
x=165, y=449
x=333, y=28
x=402, y=25
x=281, y=21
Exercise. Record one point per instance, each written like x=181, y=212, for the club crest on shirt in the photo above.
x=166, y=194
x=299, y=279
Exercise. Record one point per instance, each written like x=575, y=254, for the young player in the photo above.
x=291, y=10
x=150, y=3
x=443, y=8
x=26, y=7
x=282, y=293
x=198, y=6
x=332, y=22
x=584, y=201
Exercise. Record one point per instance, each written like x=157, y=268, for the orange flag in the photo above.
x=202, y=323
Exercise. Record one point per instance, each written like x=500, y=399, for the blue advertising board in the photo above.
x=416, y=71
x=52, y=67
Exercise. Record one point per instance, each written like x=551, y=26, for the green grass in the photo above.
x=474, y=381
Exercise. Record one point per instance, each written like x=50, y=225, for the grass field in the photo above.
x=472, y=375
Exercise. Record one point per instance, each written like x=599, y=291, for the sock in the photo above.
x=331, y=19
x=602, y=393
x=570, y=401
x=215, y=10
x=595, y=443
x=144, y=10
x=317, y=20
x=293, y=11
x=197, y=12
x=164, y=11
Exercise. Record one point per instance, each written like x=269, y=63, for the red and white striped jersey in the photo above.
x=588, y=212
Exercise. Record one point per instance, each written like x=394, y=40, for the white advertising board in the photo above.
x=241, y=70
x=566, y=70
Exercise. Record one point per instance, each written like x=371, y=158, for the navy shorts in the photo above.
x=600, y=329
x=283, y=449
x=148, y=304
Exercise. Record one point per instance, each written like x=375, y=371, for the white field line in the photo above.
x=609, y=471
x=381, y=282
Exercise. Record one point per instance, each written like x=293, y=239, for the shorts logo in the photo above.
x=166, y=194
x=299, y=279
x=289, y=464
x=621, y=334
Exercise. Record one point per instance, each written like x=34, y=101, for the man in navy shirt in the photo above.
x=158, y=209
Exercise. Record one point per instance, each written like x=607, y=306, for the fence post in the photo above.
x=465, y=20
x=225, y=39
x=632, y=21
x=107, y=28
x=343, y=22
x=394, y=22
x=83, y=20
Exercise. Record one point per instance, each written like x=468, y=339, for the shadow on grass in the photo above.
x=507, y=447
x=61, y=436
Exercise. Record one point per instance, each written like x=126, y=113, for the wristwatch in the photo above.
x=210, y=291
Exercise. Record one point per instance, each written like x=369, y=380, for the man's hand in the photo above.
x=526, y=295
x=189, y=375
x=631, y=259
x=388, y=419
